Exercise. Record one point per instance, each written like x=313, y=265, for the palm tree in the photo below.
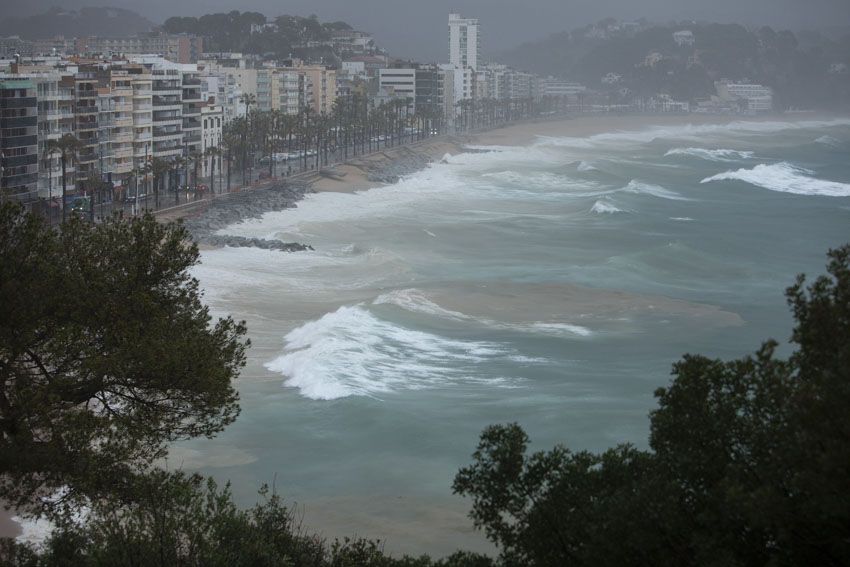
x=212, y=153
x=67, y=148
x=247, y=99
x=157, y=167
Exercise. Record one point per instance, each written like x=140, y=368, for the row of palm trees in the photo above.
x=307, y=140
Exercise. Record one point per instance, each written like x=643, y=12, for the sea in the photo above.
x=552, y=284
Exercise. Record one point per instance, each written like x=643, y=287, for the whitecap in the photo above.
x=681, y=219
x=416, y=301
x=828, y=141
x=351, y=352
x=786, y=178
x=603, y=206
x=557, y=329
x=585, y=166
x=711, y=155
x=640, y=188
x=687, y=132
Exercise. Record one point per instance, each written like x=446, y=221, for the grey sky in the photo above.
x=417, y=28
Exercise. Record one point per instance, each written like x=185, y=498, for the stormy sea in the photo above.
x=551, y=284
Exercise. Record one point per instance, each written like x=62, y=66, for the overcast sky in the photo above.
x=418, y=28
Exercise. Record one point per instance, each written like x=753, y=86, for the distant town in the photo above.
x=167, y=98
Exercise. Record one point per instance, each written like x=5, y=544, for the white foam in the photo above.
x=416, y=301
x=603, y=206
x=585, y=166
x=681, y=219
x=640, y=188
x=557, y=329
x=786, y=178
x=687, y=132
x=351, y=352
x=828, y=141
x=34, y=532
x=711, y=155
x=429, y=233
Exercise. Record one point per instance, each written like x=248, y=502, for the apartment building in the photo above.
x=212, y=124
x=86, y=126
x=400, y=84
x=323, y=81
x=115, y=127
x=757, y=98
x=55, y=95
x=175, y=48
x=18, y=138
x=464, y=41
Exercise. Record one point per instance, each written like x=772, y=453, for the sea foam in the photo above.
x=711, y=155
x=653, y=190
x=604, y=207
x=351, y=352
x=786, y=178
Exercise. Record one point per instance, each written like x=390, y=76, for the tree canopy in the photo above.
x=749, y=463
x=106, y=353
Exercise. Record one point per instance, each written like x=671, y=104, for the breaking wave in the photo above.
x=828, y=141
x=584, y=166
x=711, y=155
x=603, y=206
x=351, y=352
x=654, y=190
x=786, y=178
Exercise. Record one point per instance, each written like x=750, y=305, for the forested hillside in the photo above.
x=76, y=23
x=252, y=32
x=806, y=70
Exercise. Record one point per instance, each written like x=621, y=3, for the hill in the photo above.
x=103, y=21
x=806, y=71
x=251, y=32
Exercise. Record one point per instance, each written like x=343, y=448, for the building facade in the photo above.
x=464, y=41
x=18, y=139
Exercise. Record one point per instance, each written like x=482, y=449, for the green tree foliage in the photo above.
x=287, y=36
x=749, y=463
x=798, y=71
x=106, y=353
x=166, y=519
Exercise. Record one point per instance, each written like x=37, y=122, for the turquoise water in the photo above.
x=552, y=284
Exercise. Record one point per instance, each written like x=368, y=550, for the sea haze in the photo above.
x=552, y=284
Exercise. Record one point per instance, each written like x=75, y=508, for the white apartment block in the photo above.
x=115, y=127
x=552, y=87
x=212, y=124
x=684, y=38
x=758, y=97
x=399, y=84
x=55, y=95
x=464, y=41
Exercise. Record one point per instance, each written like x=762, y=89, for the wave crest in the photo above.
x=711, y=155
x=603, y=206
x=351, y=352
x=785, y=178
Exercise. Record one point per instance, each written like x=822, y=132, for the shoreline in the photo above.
x=388, y=165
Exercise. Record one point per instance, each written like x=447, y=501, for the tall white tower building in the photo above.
x=463, y=42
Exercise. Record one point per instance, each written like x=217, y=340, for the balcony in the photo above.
x=23, y=102
x=18, y=122
x=17, y=161
x=192, y=139
x=175, y=89
x=87, y=110
x=18, y=141
x=192, y=81
x=160, y=133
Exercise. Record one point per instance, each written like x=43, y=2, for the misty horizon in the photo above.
x=504, y=27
